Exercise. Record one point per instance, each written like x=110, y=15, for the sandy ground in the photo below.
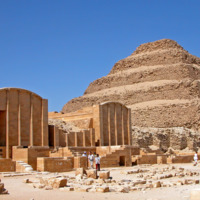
x=19, y=190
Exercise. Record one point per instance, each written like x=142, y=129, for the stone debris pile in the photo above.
x=133, y=180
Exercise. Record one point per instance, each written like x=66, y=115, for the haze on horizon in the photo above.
x=57, y=48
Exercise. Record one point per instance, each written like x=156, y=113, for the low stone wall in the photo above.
x=7, y=165
x=30, y=155
x=55, y=164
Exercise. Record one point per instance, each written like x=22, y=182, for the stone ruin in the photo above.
x=28, y=143
x=145, y=111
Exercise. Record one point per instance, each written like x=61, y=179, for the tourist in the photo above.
x=84, y=154
x=91, y=159
x=97, y=161
x=195, y=158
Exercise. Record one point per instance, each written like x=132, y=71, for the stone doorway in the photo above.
x=122, y=160
x=2, y=128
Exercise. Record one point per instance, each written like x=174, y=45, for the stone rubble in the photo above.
x=150, y=179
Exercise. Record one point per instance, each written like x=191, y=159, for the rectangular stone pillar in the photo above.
x=7, y=124
x=92, y=137
x=44, y=122
x=66, y=140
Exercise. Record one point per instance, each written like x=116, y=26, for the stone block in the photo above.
x=80, y=171
x=89, y=181
x=102, y=189
x=54, y=182
x=157, y=184
x=92, y=173
x=104, y=174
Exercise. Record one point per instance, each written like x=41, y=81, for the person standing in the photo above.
x=195, y=158
x=91, y=159
x=97, y=161
x=84, y=154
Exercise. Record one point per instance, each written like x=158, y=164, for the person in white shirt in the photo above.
x=84, y=154
x=91, y=159
x=97, y=161
x=195, y=159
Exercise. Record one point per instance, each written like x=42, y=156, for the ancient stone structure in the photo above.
x=106, y=131
x=159, y=82
x=111, y=122
x=27, y=143
x=23, y=120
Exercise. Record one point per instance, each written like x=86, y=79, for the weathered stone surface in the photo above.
x=92, y=173
x=80, y=171
x=89, y=181
x=54, y=182
x=104, y=174
x=102, y=189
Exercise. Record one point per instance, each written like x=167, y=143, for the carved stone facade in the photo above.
x=23, y=120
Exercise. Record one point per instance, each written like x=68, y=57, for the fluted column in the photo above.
x=19, y=120
x=84, y=138
x=116, y=130
x=31, y=121
x=122, y=125
x=7, y=124
x=129, y=126
x=109, y=126
x=76, y=139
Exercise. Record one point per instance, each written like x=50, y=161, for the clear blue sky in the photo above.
x=56, y=48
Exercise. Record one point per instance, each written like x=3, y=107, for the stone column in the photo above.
x=66, y=140
x=31, y=121
x=44, y=123
x=76, y=139
x=84, y=137
x=19, y=120
x=129, y=126
x=101, y=143
x=7, y=124
x=92, y=139
x=122, y=125
x=116, y=132
x=109, y=126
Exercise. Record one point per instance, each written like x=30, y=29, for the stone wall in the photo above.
x=177, y=138
x=7, y=165
x=55, y=164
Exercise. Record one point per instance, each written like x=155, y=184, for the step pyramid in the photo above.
x=159, y=81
